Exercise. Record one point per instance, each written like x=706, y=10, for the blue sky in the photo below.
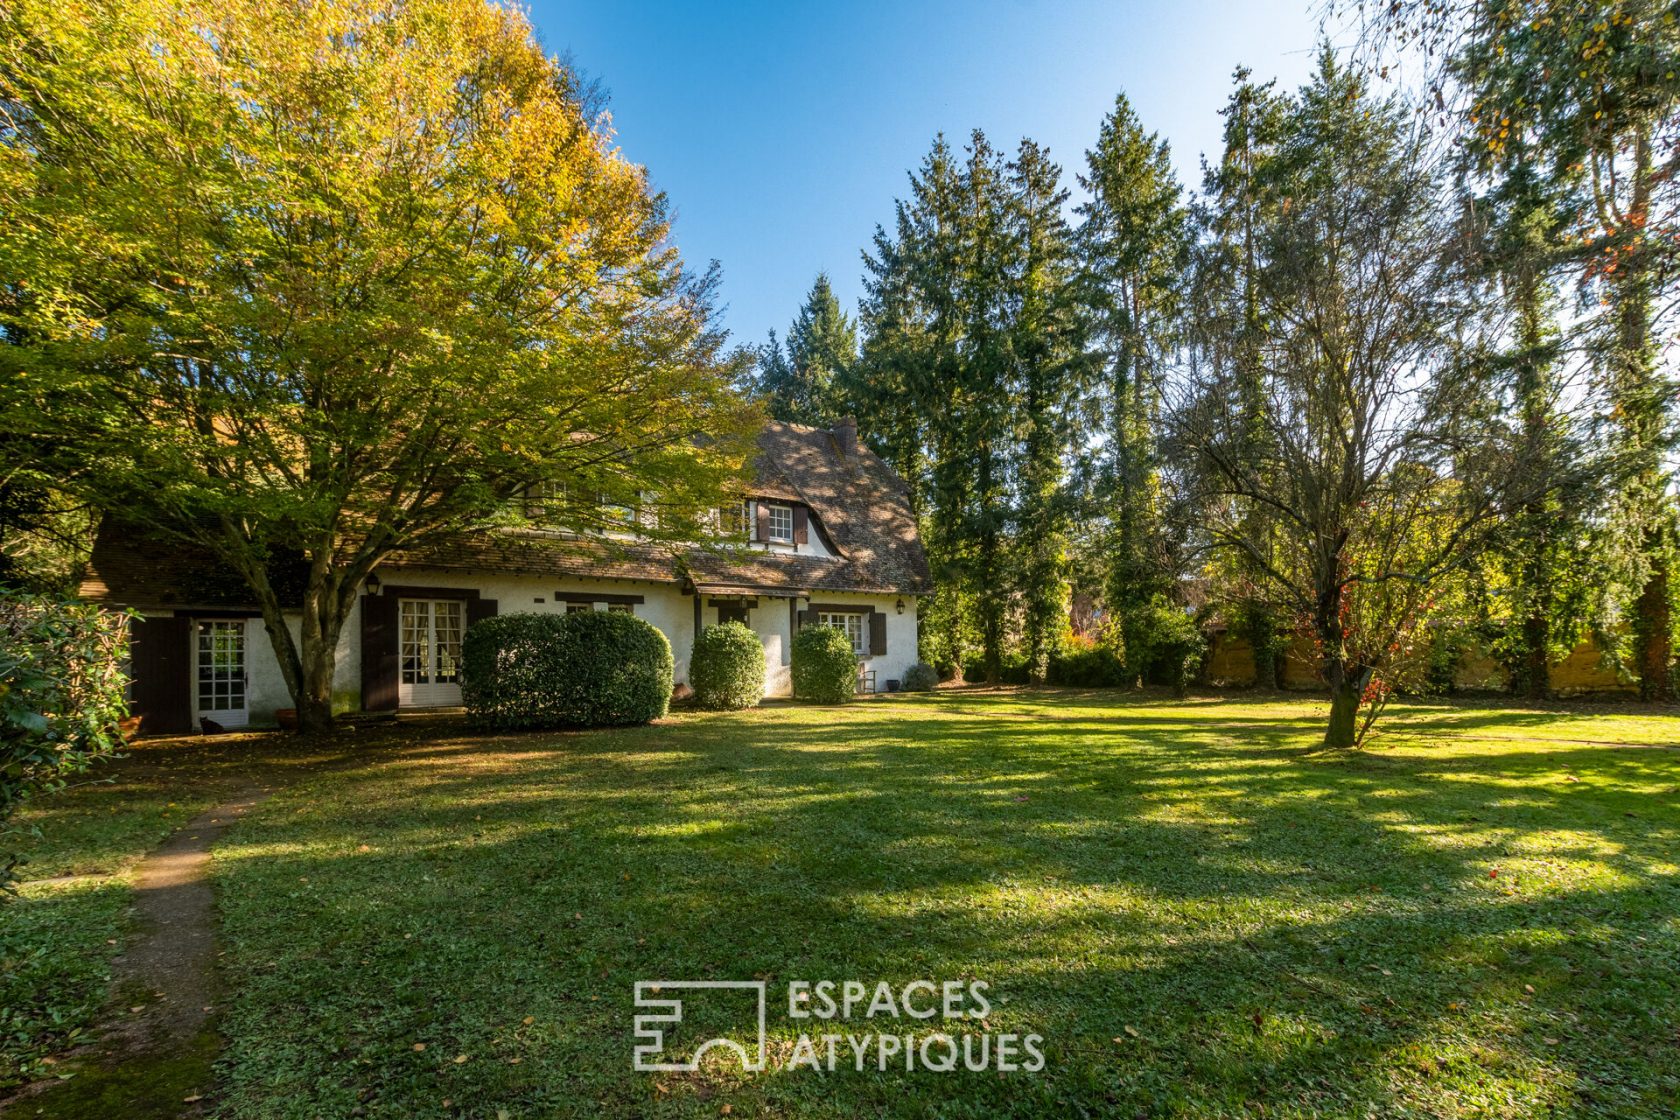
x=783, y=131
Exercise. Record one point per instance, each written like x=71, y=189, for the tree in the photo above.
x=1046, y=342
x=1371, y=457
x=937, y=300
x=1134, y=241
x=1586, y=95
x=805, y=381
x=337, y=279
x=1225, y=314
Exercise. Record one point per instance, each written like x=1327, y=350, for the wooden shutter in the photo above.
x=379, y=653
x=761, y=524
x=160, y=660
x=877, y=633
x=480, y=609
x=807, y=618
x=801, y=525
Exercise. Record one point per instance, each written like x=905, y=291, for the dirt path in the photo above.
x=155, y=1057
x=173, y=955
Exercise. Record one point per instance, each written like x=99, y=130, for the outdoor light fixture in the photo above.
x=373, y=583
x=900, y=606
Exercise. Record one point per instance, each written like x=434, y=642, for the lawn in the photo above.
x=1199, y=914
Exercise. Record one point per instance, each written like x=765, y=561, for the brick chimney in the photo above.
x=845, y=434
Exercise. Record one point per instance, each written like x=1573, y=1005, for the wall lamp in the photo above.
x=900, y=606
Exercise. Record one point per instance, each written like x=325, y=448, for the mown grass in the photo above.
x=79, y=848
x=1200, y=914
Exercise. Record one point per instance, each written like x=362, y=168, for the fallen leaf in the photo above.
x=419, y=1046
x=529, y=1019
x=1131, y=1030
x=194, y=1099
x=460, y=1059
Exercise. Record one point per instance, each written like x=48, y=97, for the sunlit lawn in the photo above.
x=1200, y=915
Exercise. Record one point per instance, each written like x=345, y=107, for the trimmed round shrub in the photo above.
x=727, y=667
x=921, y=677
x=824, y=666
x=591, y=669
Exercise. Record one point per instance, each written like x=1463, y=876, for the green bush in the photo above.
x=1088, y=665
x=591, y=669
x=921, y=677
x=61, y=696
x=824, y=666
x=727, y=667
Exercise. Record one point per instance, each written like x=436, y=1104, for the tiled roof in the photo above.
x=858, y=503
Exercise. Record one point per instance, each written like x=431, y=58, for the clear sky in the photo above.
x=783, y=131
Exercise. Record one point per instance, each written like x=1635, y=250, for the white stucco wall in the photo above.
x=663, y=605
x=265, y=688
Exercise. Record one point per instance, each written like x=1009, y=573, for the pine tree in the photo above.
x=804, y=380
x=1045, y=342
x=1135, y=244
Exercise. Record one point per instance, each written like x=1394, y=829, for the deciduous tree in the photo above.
x=339, y=278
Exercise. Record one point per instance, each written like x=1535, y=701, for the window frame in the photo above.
x=860, y=642
x=771, y=518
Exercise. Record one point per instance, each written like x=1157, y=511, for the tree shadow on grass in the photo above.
x=1311, y=934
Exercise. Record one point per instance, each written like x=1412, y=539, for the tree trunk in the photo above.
x=1656, y=684
x=1642, y=407
x=1343, y=730
x=1537, y=673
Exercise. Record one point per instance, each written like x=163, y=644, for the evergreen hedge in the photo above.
x=726, y=669
x=61, y=697
x=590, y=669
x=824, y=666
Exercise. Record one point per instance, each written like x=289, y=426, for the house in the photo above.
x=830, y=540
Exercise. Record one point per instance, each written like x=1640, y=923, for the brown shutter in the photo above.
x=877, y=633
x=379, y=653
x=160, y=659
x=480, y=609
x=807, y=618
x=801, y=525
x=761, y=525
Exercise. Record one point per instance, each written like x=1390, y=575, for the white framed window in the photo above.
x=851, y=625
x=430, y=641
x=621, y=608
x=781, y=524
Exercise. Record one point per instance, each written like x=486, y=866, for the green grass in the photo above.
x=1200, y=914
x=71, y=914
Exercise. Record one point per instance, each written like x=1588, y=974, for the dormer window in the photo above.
x=781, y=524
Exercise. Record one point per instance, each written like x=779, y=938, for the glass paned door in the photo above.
x=220, y=669
x=429, y=652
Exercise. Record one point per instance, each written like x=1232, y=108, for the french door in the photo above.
x=220, y=672
x=429, y=634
